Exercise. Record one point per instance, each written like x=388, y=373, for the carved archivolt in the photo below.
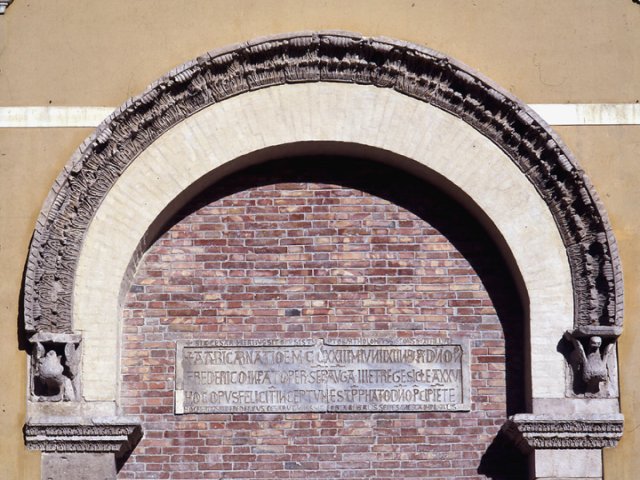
x=411, y=70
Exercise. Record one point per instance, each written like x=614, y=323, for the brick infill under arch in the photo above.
x=284, y=252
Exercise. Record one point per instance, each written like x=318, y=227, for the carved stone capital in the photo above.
x=530, y=432
x=606, y=332
x=115, y=435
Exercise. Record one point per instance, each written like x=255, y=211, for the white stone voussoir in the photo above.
x=350, y=116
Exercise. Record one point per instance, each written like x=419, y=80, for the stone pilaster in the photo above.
x=565, y=448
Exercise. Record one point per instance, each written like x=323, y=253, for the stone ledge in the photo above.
x=3, y=5
x=114, y=435
x=531, y=432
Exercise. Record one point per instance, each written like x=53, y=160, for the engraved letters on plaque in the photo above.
x=309, y=376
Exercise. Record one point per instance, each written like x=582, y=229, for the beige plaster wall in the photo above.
x=100, y=53
x=609, y=155
x=30, y=160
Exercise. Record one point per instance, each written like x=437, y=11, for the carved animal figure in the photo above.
x=50, y=372
x=592, y=364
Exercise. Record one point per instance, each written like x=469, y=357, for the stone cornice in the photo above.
x=117, y=436
x=571, y=432
x=409, y=69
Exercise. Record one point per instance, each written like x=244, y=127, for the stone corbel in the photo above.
x=83, y=448
x=55, y=367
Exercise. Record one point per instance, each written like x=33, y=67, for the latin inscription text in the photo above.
x=302, y=378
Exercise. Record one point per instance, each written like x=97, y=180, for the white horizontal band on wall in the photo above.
x=588, y=113
x=552, y=113
x=52, y=117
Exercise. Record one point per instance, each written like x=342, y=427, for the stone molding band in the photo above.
x=323, y=57
x=530, y=432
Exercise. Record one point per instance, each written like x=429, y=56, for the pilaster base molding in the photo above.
x=118, y=436
x=530, y=432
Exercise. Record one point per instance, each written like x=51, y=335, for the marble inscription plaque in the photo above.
x=322, y=376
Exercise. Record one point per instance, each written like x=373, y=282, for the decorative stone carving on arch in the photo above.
x=324, y=57
x=389, y=71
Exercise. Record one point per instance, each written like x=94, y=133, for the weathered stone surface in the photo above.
x=328, y=57
x=568, y=464
x=78, y=466
x=304, y=376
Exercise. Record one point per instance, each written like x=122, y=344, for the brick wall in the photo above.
x=336, y=248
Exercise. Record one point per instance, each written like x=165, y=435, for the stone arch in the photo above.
x=323, y=57
x=311, y=91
